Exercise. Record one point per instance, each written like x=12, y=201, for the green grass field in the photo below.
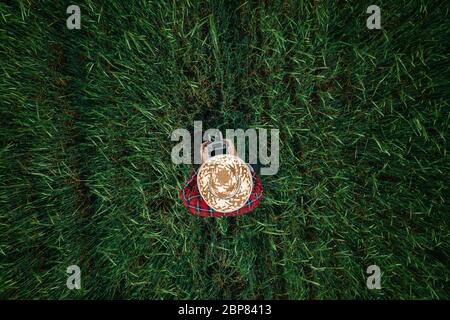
x=86, y=176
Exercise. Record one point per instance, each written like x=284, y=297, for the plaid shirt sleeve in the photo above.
x=194, y=202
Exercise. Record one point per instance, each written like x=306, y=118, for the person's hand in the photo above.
x=230, y=146
x=204, y=151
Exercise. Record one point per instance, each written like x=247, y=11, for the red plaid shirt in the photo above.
x=197, y=205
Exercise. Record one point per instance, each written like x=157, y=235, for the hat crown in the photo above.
x=225, y=182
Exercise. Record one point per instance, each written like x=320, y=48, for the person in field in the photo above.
x=223, y=186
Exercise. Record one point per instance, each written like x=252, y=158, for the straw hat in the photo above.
x=225, y=182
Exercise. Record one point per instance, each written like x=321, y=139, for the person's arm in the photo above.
x=257, y=191
x=190, y=194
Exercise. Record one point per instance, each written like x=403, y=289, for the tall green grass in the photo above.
x=86, y=176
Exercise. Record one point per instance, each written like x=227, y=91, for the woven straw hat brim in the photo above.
x=220, y=193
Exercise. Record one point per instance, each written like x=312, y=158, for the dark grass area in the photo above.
x=86, y=176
